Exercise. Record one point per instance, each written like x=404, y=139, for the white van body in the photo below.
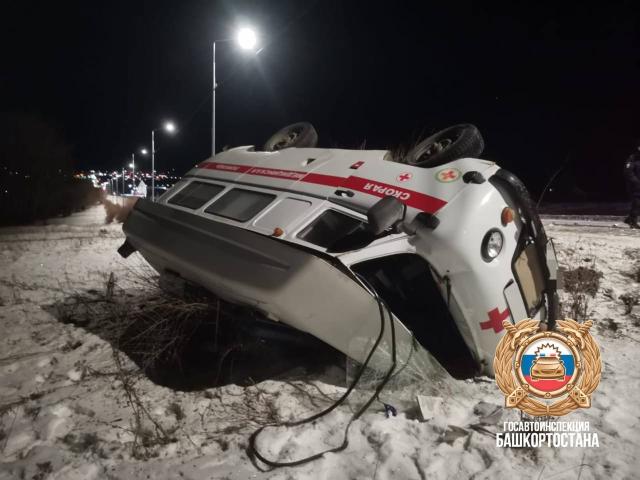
x=255, y=228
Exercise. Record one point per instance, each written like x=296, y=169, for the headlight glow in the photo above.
x=492, y=245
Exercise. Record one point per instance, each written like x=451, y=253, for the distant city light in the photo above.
x=144, y=151
x=170, y=127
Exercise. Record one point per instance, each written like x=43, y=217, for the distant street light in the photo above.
x=247, y=39
x=132, y=166
x=168, y=127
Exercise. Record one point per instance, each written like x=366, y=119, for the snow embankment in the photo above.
x=67, y=411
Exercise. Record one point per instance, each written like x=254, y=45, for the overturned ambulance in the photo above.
x=314, y=238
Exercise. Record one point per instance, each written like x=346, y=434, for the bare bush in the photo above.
x=118, y=212
x=582, y=280
x=580, y=284
x=176, y=410
x=629, y=300
x=147, y=431
x=81, y=443
x=608, y=325
x=44, y=469
x=632, y=253
x=634, y=272
x=577, y=307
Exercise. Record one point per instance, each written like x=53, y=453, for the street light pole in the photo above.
x=213, y=109
x=246, y=39
x=168, y=127
x=133, y=171
x=153, y=165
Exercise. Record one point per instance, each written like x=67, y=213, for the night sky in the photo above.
x=546, y=83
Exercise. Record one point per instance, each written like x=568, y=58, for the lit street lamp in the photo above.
x=168, y=127
x=246, y=39
x=132, y=165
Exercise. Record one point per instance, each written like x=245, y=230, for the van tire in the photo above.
x=299, y=135
x=453, y=143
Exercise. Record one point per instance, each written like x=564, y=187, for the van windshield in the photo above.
x=330, y=227
x=406, y=284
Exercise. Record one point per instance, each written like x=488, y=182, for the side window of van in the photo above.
x=195, y=194
x=240, y=204
x=282, y=214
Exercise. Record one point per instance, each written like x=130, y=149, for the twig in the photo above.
x=553, y=177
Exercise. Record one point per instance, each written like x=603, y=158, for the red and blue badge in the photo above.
x=547, y=365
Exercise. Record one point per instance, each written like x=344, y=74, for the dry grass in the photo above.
x=150, y=325
x=118, y=211
x=179, y=342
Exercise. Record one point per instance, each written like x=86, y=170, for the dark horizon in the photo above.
x=543, y=84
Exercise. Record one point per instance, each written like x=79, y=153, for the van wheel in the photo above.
x=300, y=135
x=459, y=141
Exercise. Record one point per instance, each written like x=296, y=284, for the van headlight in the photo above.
x=492, y=245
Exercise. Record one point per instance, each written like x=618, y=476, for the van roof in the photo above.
x=356, y=177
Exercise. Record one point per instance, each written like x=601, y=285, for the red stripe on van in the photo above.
x=320, y=179
x=225, y=167
x=317, y=178
x=410, y=198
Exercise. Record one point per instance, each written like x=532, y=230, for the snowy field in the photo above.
x=65, y=414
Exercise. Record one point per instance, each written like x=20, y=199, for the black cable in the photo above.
x=345, y=443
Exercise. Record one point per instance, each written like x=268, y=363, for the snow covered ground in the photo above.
x=65, y=415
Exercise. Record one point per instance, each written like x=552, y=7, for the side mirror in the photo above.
x=423, y=219
x=385, y=214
